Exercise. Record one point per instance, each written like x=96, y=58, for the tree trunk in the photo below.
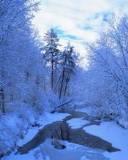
x=65, y=89
x=61, y=85
x=2, y=100
x=67, y=81
x=52, y=73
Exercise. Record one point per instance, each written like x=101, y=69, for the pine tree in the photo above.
x=51, y=54
x=68, y=67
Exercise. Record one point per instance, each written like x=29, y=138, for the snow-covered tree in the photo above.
x=110, y=58
x=68, y=62
x=19, y=51
x=51, y=54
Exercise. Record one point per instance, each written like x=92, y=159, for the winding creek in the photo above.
x=59, y=139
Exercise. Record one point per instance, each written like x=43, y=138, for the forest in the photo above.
x=42, y=82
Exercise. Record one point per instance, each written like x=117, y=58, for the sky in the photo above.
x=78, y=21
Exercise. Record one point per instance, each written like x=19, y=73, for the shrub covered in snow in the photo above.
x=14, y=125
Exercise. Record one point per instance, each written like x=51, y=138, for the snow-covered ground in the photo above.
x=109, y=131
x=77, y=122
x=48, y=118
x=45, y=119
x=116, y=135
x=46, y=151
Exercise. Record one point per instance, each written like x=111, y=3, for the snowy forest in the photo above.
x=51, y=107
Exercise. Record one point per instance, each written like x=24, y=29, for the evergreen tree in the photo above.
x=51, y=54
x=68, y=67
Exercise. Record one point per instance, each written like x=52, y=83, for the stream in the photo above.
x=58, y=139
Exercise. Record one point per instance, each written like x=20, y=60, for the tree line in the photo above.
x=28, y=67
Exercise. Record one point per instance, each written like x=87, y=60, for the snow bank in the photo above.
x=13, y=125
x=46, y=151
x=48, y=118
x=45, y=119
x=113, y=133
x=77, y=122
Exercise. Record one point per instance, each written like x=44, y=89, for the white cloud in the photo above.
x=79, y=18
